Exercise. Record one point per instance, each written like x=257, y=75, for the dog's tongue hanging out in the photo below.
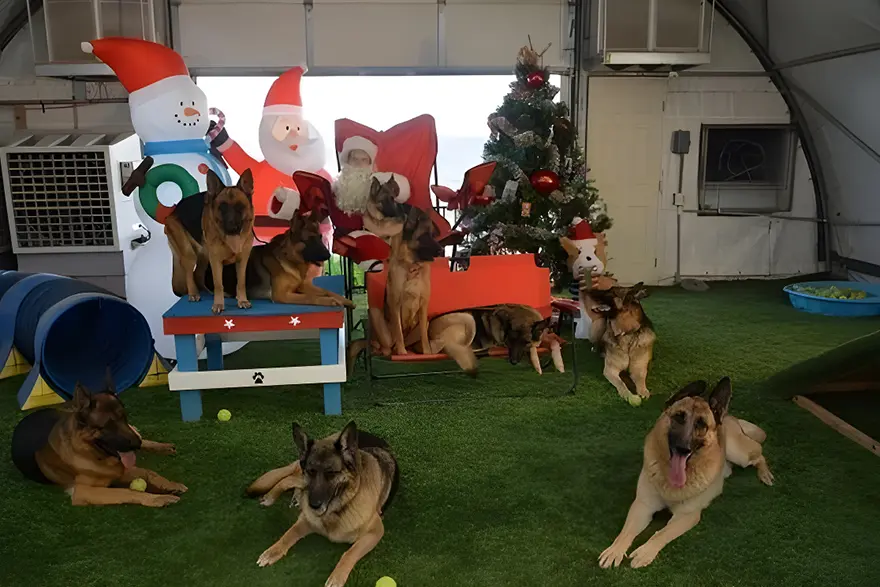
x=678, y=470
x=128, y=459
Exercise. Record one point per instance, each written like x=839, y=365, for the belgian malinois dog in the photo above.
x=408, y=289
x=213, y=228
x=278, y=270
x=628, y=339
x=342, y=484
x=687, y=456
x=87, y=447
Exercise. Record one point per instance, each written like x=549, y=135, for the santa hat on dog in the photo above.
x=580, y=230
x=284, y=96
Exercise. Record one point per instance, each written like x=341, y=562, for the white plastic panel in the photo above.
x=245, y=34
x=361, y=34
x=489, y=34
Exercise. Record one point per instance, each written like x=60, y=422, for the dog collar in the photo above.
x=196, y=146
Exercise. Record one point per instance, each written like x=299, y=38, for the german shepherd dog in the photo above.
x=87, y=447
x=217, y=224
x=628, y=339
x=687, y=456
x=342, y=485
x=408, y=289
x=278, y=270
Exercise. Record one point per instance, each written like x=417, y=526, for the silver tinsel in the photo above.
x=554, y=158
x=511, y=166
x=528, y=139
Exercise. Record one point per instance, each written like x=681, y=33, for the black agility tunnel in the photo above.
x=71, y=331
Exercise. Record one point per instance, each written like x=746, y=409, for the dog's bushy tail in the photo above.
x=464, y=356
x=355, y=348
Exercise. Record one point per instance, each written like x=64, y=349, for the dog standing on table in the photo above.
x=628, y=339
x=414, y=247
x=217, y=224
x=342, y=484
x=687, y=456
x=279, y=270
x=87, y=446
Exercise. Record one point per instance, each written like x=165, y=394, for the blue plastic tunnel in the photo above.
x=71, y=331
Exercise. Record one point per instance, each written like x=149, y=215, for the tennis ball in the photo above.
x=138, y=485
x=224, y=415
x=386, y=582
x=634, y=400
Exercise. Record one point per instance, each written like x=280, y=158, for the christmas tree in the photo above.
x=540, y=182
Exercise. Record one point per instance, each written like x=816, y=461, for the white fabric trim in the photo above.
x=282, y=109
x=402, y=182
x=358, y=142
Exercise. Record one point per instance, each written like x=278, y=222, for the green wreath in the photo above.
x=156, y=177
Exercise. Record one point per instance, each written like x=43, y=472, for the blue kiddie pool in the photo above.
x=803, y=296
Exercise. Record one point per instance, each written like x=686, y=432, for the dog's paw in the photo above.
x=271, y=556
x=217, y=308
x=267, y=501
x=195, y=298
x=165, y=448
x=337, y=579
x=176, y=488
x=644, y=394
x=765, y=476
x=612, y=557
x=160, y=501
x=643, y=556
x=244, y=304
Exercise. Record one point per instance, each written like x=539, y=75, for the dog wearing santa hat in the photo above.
x=587, y=260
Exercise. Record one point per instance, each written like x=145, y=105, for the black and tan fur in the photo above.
x=700, y=433
x=342, y=484
x=212, y=229
x=278, y=270
x=628, y=339
x=82, y=446
x=404, y=320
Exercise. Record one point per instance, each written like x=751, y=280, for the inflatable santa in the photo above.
x=587, y=259
x=170, y=115
x=289, y=143
x=351, y=190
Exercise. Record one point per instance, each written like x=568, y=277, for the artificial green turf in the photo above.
x=495, y=491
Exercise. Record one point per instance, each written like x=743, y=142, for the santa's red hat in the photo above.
x=580, y=230
x=362, y=143
x=284, y=97
x=137, y=63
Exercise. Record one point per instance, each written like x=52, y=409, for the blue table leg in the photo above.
x=330, y=356
x=188, y=360
x=215, y=352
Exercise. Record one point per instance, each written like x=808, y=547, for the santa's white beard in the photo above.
x=309, y=156
x=352, y=189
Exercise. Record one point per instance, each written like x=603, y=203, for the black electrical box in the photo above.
x=681, y=142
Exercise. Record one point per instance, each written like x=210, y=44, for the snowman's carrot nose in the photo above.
x=191, y=112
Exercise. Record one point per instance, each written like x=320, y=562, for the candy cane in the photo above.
x=221, y=122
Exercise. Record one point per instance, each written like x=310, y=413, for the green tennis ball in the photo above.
x=138, y=485
x=386, y=582
x=634, y=400
x=224, y=415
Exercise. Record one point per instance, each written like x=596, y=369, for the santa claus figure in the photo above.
x=289, y=143
x=587, y=260
x=351, y=191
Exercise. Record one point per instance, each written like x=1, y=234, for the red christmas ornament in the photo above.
x=535, y=80
x=544, y=181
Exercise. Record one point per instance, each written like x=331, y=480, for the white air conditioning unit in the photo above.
x=66, y=24
x=648, y=35
x=67, y=214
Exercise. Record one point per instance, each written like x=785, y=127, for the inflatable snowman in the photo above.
x=170, y=115
x=587, y=256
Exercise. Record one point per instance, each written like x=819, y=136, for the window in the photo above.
x=460, y=105
x=746, y=168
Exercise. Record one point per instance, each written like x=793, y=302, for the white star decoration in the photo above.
x=229, y=324
x=294, y=320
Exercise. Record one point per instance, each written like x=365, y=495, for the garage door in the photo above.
x=339, y=35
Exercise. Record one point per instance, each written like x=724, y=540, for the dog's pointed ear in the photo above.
x=82, y=399
x=692, y=389
x=638, y=291
x=215, y=185
x=375, y=186
x=569, y=247
x=108, y=381
x=393, y=186
x=719, y=399
x=302, y=441
x=246, y=183
x=296, y=222
x=347, y=445
x=539, y=327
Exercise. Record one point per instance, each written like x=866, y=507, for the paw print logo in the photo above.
x=258, y=378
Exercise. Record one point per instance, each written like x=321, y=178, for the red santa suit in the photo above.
x=289, y=143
